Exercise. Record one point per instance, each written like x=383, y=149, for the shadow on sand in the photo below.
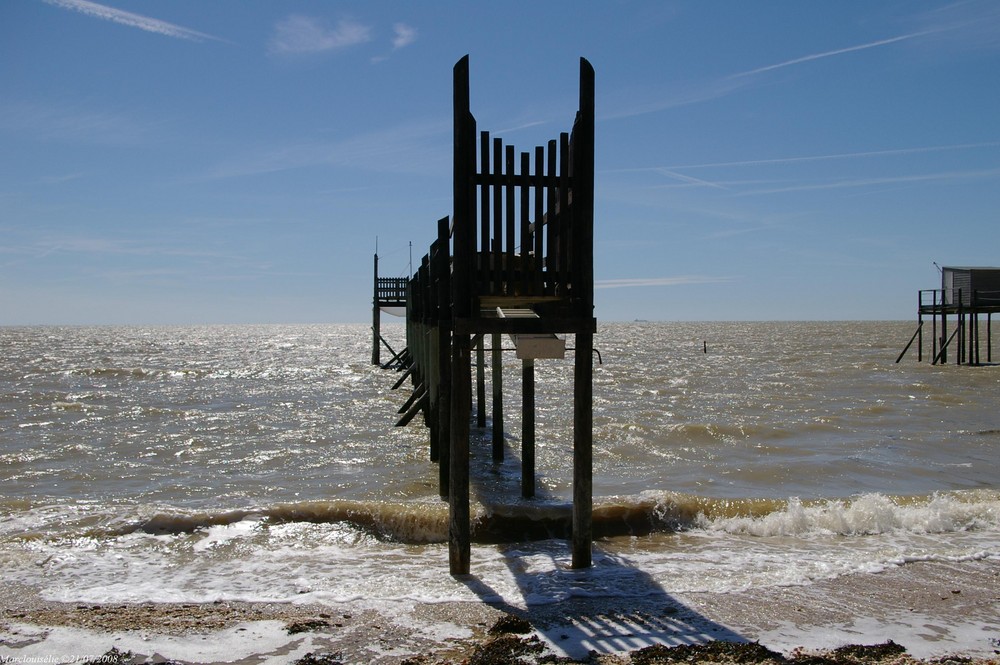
x=612, y=607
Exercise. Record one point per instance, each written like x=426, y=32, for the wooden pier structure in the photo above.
x=514, y=259
x=390, y=295
x=967, y=294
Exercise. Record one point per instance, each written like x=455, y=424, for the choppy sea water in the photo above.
x=262, y=463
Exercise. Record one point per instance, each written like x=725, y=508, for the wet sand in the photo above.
x=935, y=610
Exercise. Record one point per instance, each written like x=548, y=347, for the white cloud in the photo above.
x=131, y=20
x=303, y=34
x=681, y=280
x=404, y=35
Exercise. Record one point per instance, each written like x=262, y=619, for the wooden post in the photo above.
x=376, y=319
x=920, y=337
x=443, y=286
x=583, y=436
x=583, y=294
x=974, y=340
x=497, y=373
x=459, y=529
x=934, y=335
x=528, y=428
x=989, y=337
x=464, y=248
x=960, y=322
x=480, y=382
x=943, y=350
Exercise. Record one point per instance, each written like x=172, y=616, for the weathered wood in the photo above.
x=399, y=382
x=414, y=396
x=480, y=381
x=519, y=237
x=527, y=428
x=442, y=271
x=508, y=266
x=417, y=407
x=464, y=249
x=459, y=527
x=583, y=437
x=538, y=234
x=906, y=348
x=376, y=320
x=497, y=384
x=496, y=246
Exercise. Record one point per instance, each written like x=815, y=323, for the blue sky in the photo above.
x=227, y=162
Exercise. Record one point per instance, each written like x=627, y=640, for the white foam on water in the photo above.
x=923, y=636
x=60, y=644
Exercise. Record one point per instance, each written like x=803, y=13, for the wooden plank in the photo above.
x=508, y=263
x=464, y=213
x=459, y=527
x=539, y=235
x=527, y=428
x=565, y=218
x=551, y=222
x=485, y=242
x=496, y=283
x=525, y=282
x=417, y=407
x=497, y=384
x=442, y=270
x=583, y=454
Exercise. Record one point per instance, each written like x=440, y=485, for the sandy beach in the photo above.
x=935, y=611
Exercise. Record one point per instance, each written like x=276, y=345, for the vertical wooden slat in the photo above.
x=480, y=381
x=528, y=428
x=551, y=222
x=583, y=455
x=459, y=528
x=482, y=256
x=539, y=236
x=497, y=249
x=376, y=321
x=583, y=196
x=443, y=270
x=524, y=282
x=497, y=384
x=565, y=216
x=463, y=192
x=509, y=222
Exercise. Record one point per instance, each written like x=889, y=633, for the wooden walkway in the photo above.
x=516, y=259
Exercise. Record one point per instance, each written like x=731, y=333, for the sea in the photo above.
x=263, y=463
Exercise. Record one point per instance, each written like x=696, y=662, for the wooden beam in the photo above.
x=497, y=384
x=528, y=428
x=459, y=527
x=583, y=454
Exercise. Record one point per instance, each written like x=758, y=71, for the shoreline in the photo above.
x=935, y=610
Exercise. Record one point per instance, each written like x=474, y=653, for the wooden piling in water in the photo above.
x=528, y=428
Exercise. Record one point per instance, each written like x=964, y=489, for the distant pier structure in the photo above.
x=956, y=310
x=390, y=297
x=515, y=259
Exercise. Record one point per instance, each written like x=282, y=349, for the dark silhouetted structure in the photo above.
x=516, y=259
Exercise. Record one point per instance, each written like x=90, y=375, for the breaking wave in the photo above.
x=666, y=512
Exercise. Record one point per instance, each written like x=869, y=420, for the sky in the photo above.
x=193, y=162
